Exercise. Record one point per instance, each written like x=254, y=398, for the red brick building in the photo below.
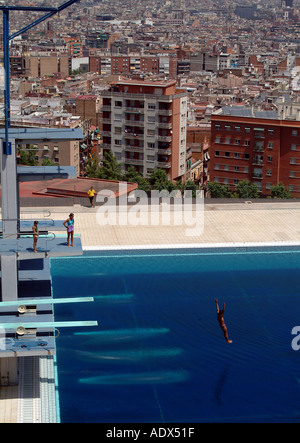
x=257, y=148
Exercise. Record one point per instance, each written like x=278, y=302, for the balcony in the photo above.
x=133, y=135
x=106, y=108
x=165, y=125
x=129, y=148
x=164, y=151
x=135, y=110
x=164, y=112
x=133, y=161
x=135, y=123
x=164, y=165
x=164, y=138
x=257, y=175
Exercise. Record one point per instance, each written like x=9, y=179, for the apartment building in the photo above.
x=63, y=153
x=40, y=64
x=144, y=124
x=256, y=146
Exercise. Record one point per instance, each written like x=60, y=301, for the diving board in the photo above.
x=47, y=325
x=48, y=301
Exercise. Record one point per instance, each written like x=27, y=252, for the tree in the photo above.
x=111, y=169
x=92, y=167
x=279, y=191
x=246, y=189
x=217, y=190
x=27, y=156
x=159, y=180
x=134, y=177
x=48, y=162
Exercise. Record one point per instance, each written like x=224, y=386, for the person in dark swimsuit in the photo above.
x=35, y=230
x=220, y=317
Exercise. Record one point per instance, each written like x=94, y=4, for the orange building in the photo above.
x=257, y=147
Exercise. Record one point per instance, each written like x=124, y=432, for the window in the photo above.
x=236, y=155
x=294, y=132
x=46, y=148
x=236, y=168
x=217, y=126
x=269, y=172
x=227, y=141
x=151, y=119
x=151, y=105
x=270, y=145
x=268, y=185
x=218, y=139
x=118, y=142
x=227, y=154
x=118, y=130
x=217, y=166
x=269, y=158
x=118, y=117
x=217, y=153
x=237, y=141
x=247, y=142
x=238, y=128
x=118, y=104
x=292, y=161
x=246, y=156
x=150, y=132
x=235, y=181
x=55, y=148
x=292, y=174
x=151, y=145
x=271, y=131
x=293, y=147
x=150, y=158
x=227, y=127
x=247, y=129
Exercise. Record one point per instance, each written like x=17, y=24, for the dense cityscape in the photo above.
x=222, y=54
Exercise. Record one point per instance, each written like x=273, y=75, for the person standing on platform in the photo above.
x=69, y=225
x=35, y=230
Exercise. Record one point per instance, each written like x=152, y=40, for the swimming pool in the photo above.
x=159, y=355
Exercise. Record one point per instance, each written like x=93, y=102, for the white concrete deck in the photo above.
x=239, y=223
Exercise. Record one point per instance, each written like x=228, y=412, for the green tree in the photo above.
x=159, y=181
x=48, y=162
x=246, y=189
x=111, y=169
x=217, y=190
x=134, y=177
x=27, y=156
x=92, y=167
x=279, y=191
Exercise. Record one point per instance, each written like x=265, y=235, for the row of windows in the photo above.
x=294, y=132
x=239, y=142
x=243, y=169
x=240, y=155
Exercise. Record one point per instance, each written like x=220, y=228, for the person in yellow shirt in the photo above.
x=91, y=193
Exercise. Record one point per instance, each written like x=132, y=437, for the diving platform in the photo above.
x=46, y=247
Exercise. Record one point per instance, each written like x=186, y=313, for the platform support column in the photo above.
x=10, y=192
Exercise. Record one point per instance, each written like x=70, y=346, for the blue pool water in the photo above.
x=159, y=355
